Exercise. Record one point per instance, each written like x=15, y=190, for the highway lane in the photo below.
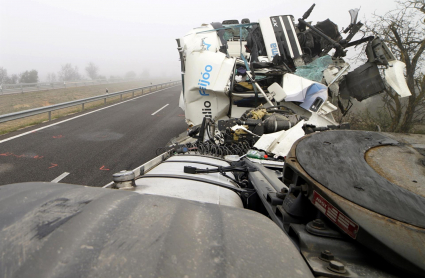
x=87, y=150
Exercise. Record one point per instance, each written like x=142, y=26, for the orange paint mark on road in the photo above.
x=180, y=115
x=103, y=168
x=22, y=155
x=58, y=136
x=53, y=165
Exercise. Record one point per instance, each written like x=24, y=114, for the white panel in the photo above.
x=269, y=37
x=296, y=38
x=395, y=78
x=286, y=38
x=206, y=78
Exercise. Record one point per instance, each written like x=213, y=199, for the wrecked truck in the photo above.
x=229, y=67
x=265, y=183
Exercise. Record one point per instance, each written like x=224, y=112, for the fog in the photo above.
x=132, y=35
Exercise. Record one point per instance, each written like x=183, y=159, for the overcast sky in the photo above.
x=133, y=35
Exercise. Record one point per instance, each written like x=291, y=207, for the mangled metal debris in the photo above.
x=282, y=65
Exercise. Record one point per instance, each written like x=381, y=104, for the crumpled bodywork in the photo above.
x=207, y=75
x=228, y=68
x=207, y=85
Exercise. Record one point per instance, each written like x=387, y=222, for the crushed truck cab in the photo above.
x=230, y=67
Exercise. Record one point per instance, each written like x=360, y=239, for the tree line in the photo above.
x=67, y=72
x=29, y=76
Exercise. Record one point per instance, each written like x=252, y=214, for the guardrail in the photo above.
x=6, y=89
x=50, y=108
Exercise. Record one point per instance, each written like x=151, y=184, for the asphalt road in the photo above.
x=94, y=144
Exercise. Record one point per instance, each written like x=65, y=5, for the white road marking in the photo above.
x=60, y=177
x=160, y=109
x=37, y=129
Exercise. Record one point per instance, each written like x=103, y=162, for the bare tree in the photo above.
x=3, y=75
x=29, y=76
x=69, y=73
x=51, y=77
x=92, y=70
x=5, y=79
x=13, y=79
x=403, y=29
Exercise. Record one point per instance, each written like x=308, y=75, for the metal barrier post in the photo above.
x=50, y=116
x=82, y=106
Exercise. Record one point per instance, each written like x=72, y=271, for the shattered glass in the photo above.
x=314, y=70
x=235, y=32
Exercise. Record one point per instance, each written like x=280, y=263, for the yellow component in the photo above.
x=258, y=114
x=246, y=85
x=238, y=132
